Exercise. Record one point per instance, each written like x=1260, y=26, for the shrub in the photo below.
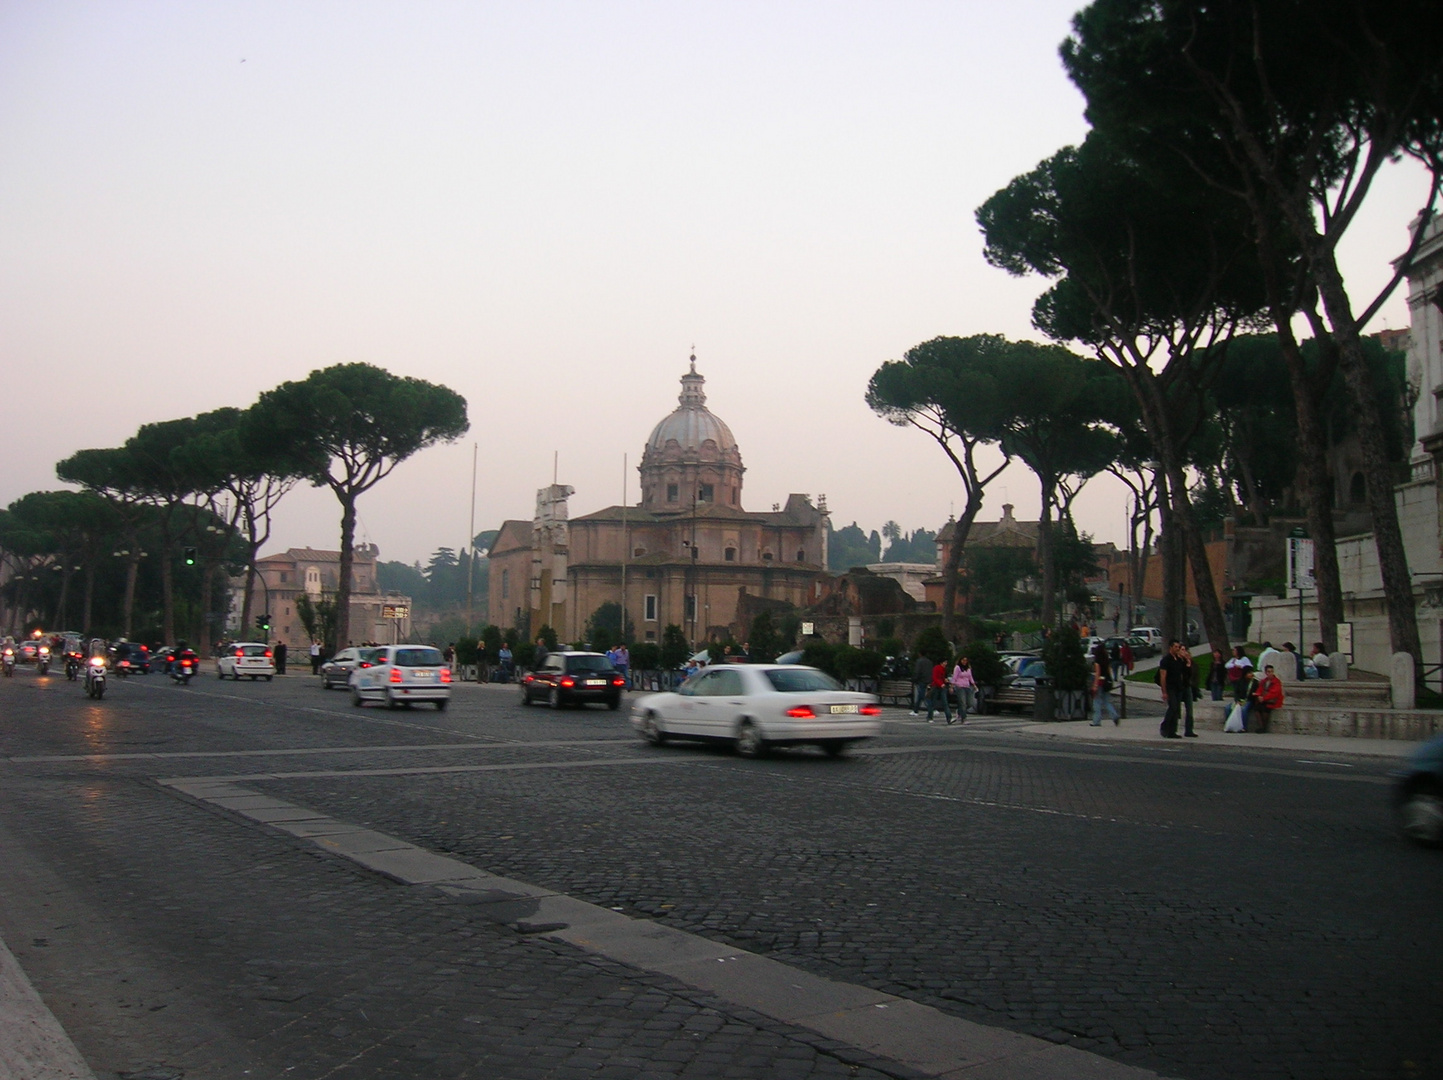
x=854, y=663
x=646, y=656
x=820, y=655
x=932, y=644
x=524, y=654
x=1066, y=666
x=674, y=649
x=466, y=651
x=987, y=667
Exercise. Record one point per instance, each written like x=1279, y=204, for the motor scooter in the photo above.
x=7, y=661
x=72, y=665
x=42, y=660
x=182, y=669
x=95, y=676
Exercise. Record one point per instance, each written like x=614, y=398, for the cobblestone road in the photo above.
x=1203, y=911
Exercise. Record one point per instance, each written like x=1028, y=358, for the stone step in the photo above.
x=1352, y=694
x=1407, y=724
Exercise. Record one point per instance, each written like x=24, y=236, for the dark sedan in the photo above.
x=573, y=678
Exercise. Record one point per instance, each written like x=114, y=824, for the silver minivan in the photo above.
x=402, y=674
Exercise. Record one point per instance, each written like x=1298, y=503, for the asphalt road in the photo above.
x=1198, y=910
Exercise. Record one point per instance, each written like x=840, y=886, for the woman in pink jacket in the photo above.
x=965, y=686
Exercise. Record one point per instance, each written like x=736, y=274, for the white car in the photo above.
x=757, y=706
x=402, y=674
x=253, y=658
x=1150, y=634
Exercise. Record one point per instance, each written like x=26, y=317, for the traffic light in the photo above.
x=190, y=556
x=264, y=622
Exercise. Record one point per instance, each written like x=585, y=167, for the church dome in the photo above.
x=691, y=424
x=691, y=457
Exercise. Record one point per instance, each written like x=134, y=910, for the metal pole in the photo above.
x=471, y=543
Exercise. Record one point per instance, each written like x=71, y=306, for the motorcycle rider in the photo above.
x=183, y=655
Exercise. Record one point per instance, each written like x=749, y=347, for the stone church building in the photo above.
x=684, y=555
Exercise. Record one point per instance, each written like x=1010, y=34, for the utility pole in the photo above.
x=625, y=549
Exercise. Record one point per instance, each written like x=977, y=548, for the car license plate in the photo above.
x=423, y=676
x=595, y=682
x=843, y=709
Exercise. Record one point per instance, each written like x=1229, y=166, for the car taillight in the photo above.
x=395, y=675
x=364, y=664
x=268, y=654
x=568, y=682
x=445, y=674
x=800, y=711
x=870, y=710
x=240, y=652
x=618, y=681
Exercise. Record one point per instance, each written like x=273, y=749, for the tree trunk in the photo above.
x=167, y=596
x=1377, y=470
x=1044, y=553
x=64, y=602
x=1168, y=549
x=207, y=597
x=132, y=571
x=89, y=602
x=1315, y=488
x=1158, y=421
x=348, y=558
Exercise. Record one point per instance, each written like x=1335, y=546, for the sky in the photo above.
x=545, y=206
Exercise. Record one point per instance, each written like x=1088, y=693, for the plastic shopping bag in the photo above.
x=1235, y=718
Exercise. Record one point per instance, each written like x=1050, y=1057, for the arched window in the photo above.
x=731, y=554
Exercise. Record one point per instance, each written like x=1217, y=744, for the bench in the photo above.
x=1009, y=698
x=899, y=691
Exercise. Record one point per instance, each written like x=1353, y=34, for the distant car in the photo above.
x=28, y=651
x=1418, y=795
x=337, y=670
x=401, y=675
x=757, y=707
x=130, y=659
x=573, y=678
x=1141, y=650
x=1019, y=663
x=253, y=658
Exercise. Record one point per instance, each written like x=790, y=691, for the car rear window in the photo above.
x=253, y=650
x=800, y=680
x=418, y=657
x=588, y=663
x=370, y=656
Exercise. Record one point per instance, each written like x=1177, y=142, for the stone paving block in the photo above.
x=276, y=815
x=363, y=842
x=1051, y=1063
x=769, y=987
x=640, y=942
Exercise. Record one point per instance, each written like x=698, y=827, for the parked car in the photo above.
x=403, y=674
x=1141, y=650
x=337, y=670
x=573, y=678
x=253, y=658
x=760, y=706
x=1418, y=795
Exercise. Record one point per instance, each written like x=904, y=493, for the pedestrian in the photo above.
x=1125, y=652
x=1267, y=699
x=315, y=657
x=1322, y=664
x=1238, y=669
x=280, y=653
x=1217, y=679
x=965, y=686
x=541, y=654
x=1294, y=658
x=623, y=663
x=1102, y=687
x=1248, y=688
x=921, y=683
x=938, y=694
x=1172, y=679
x=1269, y=655
x=1190, y=692
x=503, y=657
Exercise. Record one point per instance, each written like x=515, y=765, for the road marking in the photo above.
x=1334, y=764
x=433, y=770
x=160, y=755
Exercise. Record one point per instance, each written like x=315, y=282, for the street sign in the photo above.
x=1300, y=563
x=395, y=611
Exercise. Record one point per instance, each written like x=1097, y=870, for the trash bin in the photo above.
x=1044, y=707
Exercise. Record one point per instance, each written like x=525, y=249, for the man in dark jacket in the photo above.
x=1174, y=676
x=921, y=683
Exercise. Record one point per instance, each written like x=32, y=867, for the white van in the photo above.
x=1150, y=634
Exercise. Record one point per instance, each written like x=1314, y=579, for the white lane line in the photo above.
x=158, y=755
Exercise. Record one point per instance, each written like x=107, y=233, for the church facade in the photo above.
x=684, y=555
